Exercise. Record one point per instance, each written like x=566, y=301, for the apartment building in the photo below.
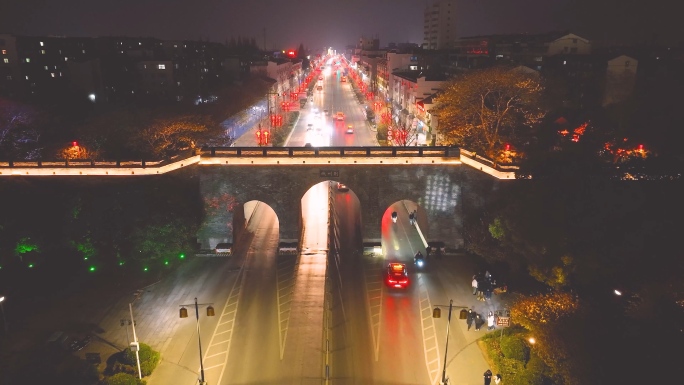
x=113, y=68
x=411, y=90
x=530, y=50
x=439, y=25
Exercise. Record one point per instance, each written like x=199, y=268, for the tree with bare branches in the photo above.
x=485, y=109
x=18, y=133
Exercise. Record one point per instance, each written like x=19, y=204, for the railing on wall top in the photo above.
x=260, y=152
x=89, y=163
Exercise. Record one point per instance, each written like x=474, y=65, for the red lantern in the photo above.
x=258, y=136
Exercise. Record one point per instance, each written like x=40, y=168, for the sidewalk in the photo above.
x=248, y=139
x=467, y=362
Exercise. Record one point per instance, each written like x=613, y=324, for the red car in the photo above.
x=396, y=276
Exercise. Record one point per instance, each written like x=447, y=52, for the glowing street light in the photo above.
x=531, y=340
x=2, y=308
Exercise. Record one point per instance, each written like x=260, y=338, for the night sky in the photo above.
x=318, y=23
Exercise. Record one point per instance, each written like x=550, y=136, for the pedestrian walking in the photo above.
x=481, y=287
x=488, y=275
x=490, y=321
x=478, y=322
x=497, y=379
x=474, y=283
x=470, y=318
x=487, y=377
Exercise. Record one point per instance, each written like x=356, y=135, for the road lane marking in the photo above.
x=374, y=295
x=229, y=311
x=285, y=282
x=427, y=323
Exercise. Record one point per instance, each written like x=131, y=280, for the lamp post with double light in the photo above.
x=210, y=313
x=437, y=313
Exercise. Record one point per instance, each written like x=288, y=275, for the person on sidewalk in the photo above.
x=478, y=322
x=490, y=321
x=497, y=379
x=470, y=318
x=474, y=283
x=481, y=286
x=487, y=377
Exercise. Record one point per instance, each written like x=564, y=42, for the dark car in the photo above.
x=78, y=344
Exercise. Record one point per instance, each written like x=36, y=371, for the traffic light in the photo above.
x=390, y=135
x=266, y=138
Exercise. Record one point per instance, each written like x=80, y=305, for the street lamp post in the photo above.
x=2, y=308
x=446, y=347
x=210, y=313
x=135, y=341
x=268, y=100
x=436, y=313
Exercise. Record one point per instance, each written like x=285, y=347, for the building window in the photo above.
x=66, y=58
x=46, y=67
x=26, y=77
x=83, y=51
x=161, y=66
x=6, y=60
x=28, y=59
x=4, y=52
x=574, y=41
x=42, y=44
x=144, y=66
x=565, y=62
x=178, y=83
x=42, y=52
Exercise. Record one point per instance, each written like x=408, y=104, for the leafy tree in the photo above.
x=167, y=136
x=114, y=134
x=149, y=358
x=484, y=109
x=160, y=239
x=123, y=379
x=76, y=152
x=25, y=247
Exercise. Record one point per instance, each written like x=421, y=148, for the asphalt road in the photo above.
x=269, y=324
x=381, y=333
x=335, y=97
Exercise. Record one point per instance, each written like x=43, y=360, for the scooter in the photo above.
x=419, y=260
x=394, y=217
